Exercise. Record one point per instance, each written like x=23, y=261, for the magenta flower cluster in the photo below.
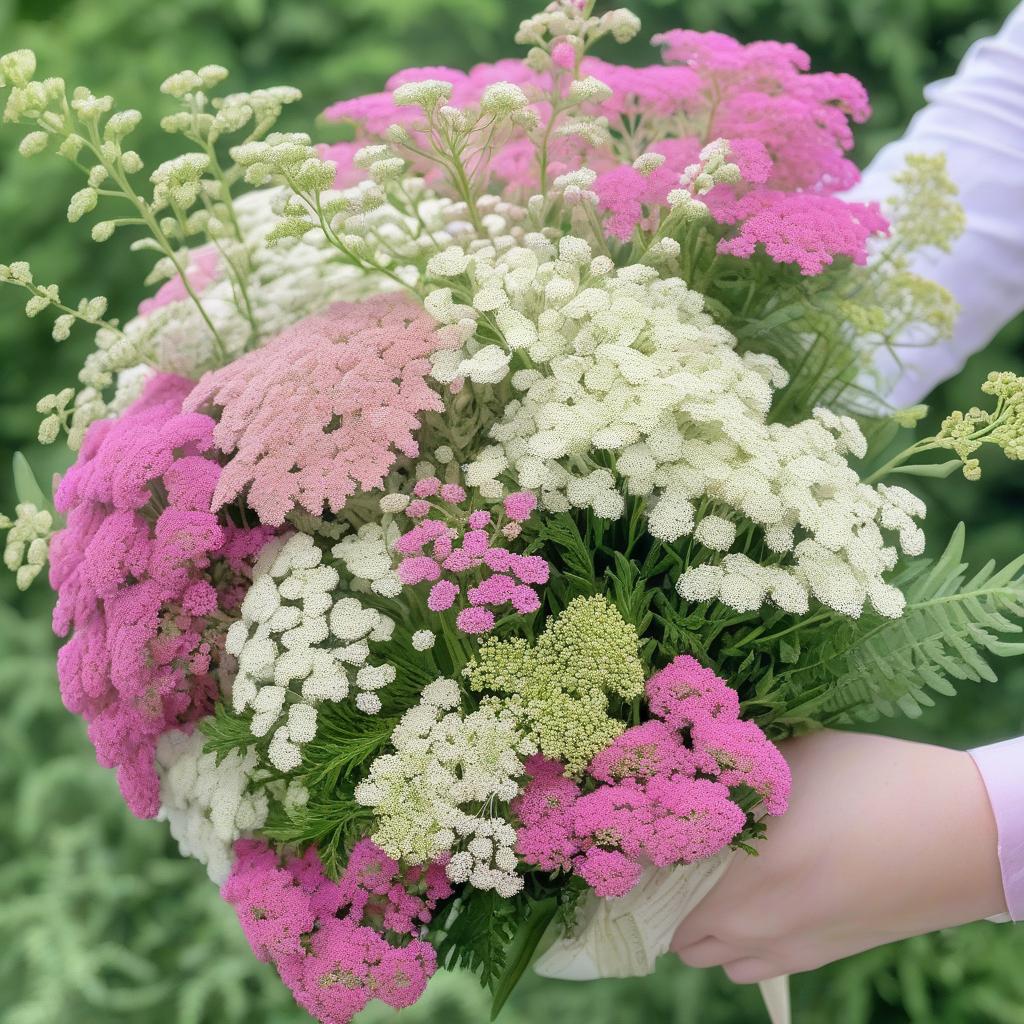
x=789, y=131
x=133, y=572
x=664, y=789
x=458, y=552
x=338, y=945
x=323, y=410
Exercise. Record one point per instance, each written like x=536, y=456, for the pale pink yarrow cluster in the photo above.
x=326, y=938
x=664, y=787
x=132, y=570
x=458, y=552
x=323, y=410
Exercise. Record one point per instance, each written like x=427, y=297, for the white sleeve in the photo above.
x=976, y=118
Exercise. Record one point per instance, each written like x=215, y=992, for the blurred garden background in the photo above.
x=100, y=920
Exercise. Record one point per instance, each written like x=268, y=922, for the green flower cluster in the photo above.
x=966, y=432
x=563, y=683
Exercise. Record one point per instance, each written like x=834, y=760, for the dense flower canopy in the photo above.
x=475, y=496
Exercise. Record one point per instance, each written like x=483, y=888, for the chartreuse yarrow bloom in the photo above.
x=562, y=684
x=299, y=644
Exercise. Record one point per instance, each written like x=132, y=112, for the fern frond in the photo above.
x=951, y=627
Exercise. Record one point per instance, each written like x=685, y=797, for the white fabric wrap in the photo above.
x=622, y=938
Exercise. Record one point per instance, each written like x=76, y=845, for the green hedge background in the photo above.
x=100, y=921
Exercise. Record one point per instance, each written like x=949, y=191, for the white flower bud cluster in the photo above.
x=287, y=282
x=366, y=555
x=436, y=793
x=297, y=646
x=627, y=364
x=207, y=805
x=28, y=542
x=563, y=18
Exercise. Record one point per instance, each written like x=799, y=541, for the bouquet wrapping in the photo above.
x=457, y=529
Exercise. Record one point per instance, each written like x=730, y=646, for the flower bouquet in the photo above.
x=452, y=533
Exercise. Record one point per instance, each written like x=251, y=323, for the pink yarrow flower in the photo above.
x=324, y=409
x=457, y=550
x=664, y=793
x=333, y=943
x=133, y=576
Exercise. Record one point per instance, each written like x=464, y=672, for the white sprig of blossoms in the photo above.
x=366, y=555
x=627, y=369
x=298, y=645
x=208, y=805
x=28, y=542
x=443, y=788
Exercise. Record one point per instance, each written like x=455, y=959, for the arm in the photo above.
x=976, y=118
x=883, y=839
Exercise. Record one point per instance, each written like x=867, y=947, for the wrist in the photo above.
x=964, y=880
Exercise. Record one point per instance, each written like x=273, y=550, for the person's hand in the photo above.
x=883, y=839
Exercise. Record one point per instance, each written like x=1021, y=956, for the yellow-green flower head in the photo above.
x=586, y=654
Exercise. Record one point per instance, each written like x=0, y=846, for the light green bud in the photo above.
x=36, y=305
x=181, y=84
x=17, y=67
x=502, y=99
x=94, y=308
x=315, y=175
x=212, y=75
x=33, y=143
x=426, y=94
x=82, y=202
x=123, y=123
x=49, y=430
x=366, y=157
x=98, y=175
x=71, y=147
x=90, y=107
x=387, y=170
x=62, y=327
x=131, y=162
x=178, y=122
x=20, y=272
x=103, y=230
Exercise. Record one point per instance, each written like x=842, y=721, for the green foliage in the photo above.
x=333, y=824
x=479, y=932
x=950, y=624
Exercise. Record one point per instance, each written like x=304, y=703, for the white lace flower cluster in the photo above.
x=284, y=284
x=632, y=389
x=366, y=555
x=207, y=805
x=442, y=788
x=298, y=645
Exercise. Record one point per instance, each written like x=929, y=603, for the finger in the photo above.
x=709, y=952
x=750, y=969
x=693, y=928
